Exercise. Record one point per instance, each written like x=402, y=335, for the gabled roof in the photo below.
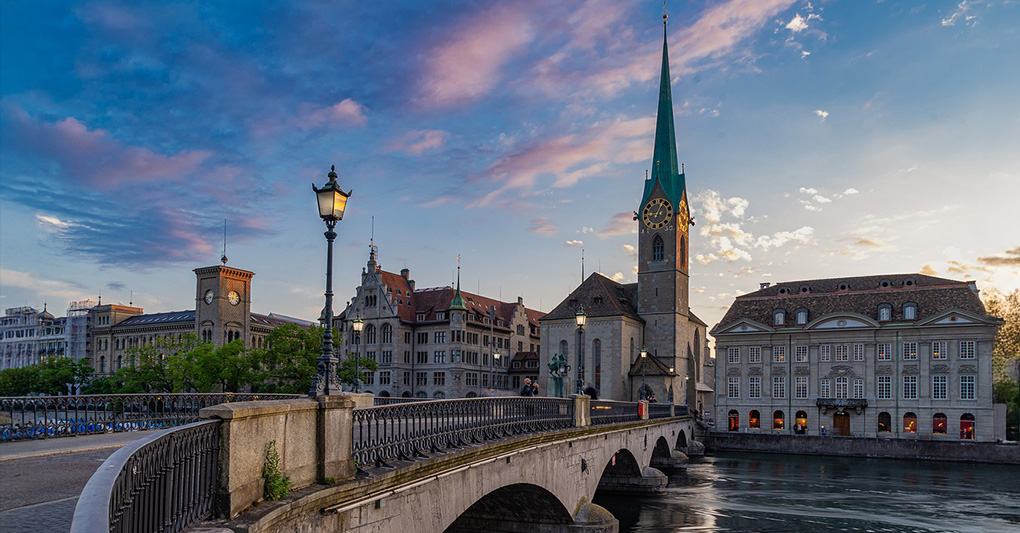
x=400, y=292
x=600, y=297
x=653, y=367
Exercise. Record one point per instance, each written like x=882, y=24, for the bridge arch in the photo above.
x=681, y=440
x=622, y=463
x=519, y=502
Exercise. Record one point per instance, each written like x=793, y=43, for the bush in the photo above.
x=277, y=486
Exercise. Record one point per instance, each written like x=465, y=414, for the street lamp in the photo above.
x=358, y=325
x=332, y=201
x=671, y=376
x=644, y=361
x=580, y=318
x=492, y=377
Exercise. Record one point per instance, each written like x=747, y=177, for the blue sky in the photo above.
x=821, y=139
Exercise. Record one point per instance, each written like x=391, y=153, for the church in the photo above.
x=640, y=340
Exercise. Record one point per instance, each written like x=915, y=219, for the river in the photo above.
x=771, y=492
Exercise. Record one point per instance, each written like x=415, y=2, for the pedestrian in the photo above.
x=528, y=389
x=591, y=392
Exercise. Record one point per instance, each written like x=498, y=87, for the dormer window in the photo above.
x=801, y=316
x=844, y=286
x=782, y=290
x=884, y=313
x=804, y=289
x=885, y=284
x=779, y=317
x=909, y=282
x=910, y=311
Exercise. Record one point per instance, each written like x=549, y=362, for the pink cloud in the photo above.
x=542, y=226
x=467, y=64
x=416, y=142
x=93, y=157
x=346, y=112
x=721, y=28
x=619, y=224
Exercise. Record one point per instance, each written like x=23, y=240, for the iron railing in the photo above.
x=394, y=400
x=410, y=430
x=660, y=410
x=66, y=416
x=165, y=482
x=612, y=412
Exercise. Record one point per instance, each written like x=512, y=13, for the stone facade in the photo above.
x=27, y=336
x=892, y=356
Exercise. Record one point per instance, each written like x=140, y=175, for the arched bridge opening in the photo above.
x=520, y=507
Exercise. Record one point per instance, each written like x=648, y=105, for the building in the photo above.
x=222, y=315
x=28, y=335
x=436, y=342
x=891, y=356
x=651, y=315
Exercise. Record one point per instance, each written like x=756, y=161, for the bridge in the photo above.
x=495, y=464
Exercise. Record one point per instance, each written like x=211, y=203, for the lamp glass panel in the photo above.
x=325, y=199
x=339, y=204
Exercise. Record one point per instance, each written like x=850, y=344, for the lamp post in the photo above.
x=332, y=201
x=358, y=325
x=671, y=376
x=492, y=376
x=687, y=385
x=580, y=318
x=644, y=361
x=492, y=338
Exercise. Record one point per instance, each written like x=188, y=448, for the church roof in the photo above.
x=600, y=297
x=665, y=166
x=862, y=295
x=653, y=367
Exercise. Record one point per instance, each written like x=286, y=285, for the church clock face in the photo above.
x=208, y=296
x=657, y=213
x=233, y=298
x=683, y=216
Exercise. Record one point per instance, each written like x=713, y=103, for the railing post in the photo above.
x=582, y=410
x=335, y=437
x=643, y=409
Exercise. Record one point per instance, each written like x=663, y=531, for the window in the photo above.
x=858, y=388
x=370, y=334
x=939, y=388
x=825, y=353
x=938, y=350
x=384, y=378
x=439, y=379
x=733, y=387
x=909, y=387
x=967, y=426
x=370, y=355
x=801, y=387
x=779, y=354
x=422, y=358
x=423, y=337
x=754, y=387
x=842, y=352
x=884, y=313
x=407, y=337
x=801, y=316
x=779, y=387
x=754, y=354
x=884, y=422
x=657, y=249
x=407, y=378
x=778, y=317
x=387, y=357
x=777, y=420
x=841, y=387
x=733, y=356
x=966, y=349
x=369, y=378
x=802, y=354
x=909, y=311
x=910, y=423
x=421, y=378
x=909, y=351
x=734, y=420
x=407, y=357
x=387, y=333
x=884, y=387
x=858, y=352
x=801, y=422
x=439, y=357
x=440, y=337
x=471, y=379
x=966, y=387
x=823, y=389
x=754, y=419
x=939, y=424
x=884, y=351
x=441, y=316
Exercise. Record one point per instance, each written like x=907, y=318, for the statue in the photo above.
x=558, y=369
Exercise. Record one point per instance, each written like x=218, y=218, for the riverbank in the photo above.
x=938, y=450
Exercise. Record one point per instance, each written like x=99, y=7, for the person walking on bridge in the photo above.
x=529, y=389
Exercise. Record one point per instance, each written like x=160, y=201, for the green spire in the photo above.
x=457, y=303
x=665, y=169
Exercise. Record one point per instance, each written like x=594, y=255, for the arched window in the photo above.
x=734, y=420
x=967, y=426
x=370, y=334
x=909, y=311
x=563, y=348
x=657, y=249
x=683, y=251
x=801, y=423
x=910, y=423
x=102, y=364
x=439, y=395
x=596, y=353
x=387, y=333
x=884, y=422
x=842, y=383
x=939, y=424
x=422, y=394
x=778, y=317
x=754, y=419
x=801, y=316
x=120, y=362
x=777, y=420
x=884, y=313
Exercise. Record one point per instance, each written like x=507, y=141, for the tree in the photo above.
x=1008, y=392
x=151, y=366
x=365, y=364
x=287, y=361
x=1007, y=342
x=51, y=376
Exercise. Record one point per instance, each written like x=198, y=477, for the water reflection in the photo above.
x=748, y=492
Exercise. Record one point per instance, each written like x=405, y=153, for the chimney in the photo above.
x=764, y=285
x=520, y=301
x=973, y=286
x=405, y=273
x=410, y=283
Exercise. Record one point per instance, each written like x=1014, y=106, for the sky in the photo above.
x=820, y=139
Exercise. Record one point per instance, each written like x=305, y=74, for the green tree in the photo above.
x=1007, y=342
x=51, y=376
x=153, y=367
x=228, y=368
x=18, y=381
x=287, y=361
x=365, y=365
x=1007, y=391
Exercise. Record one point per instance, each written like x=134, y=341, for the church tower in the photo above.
x=663, y=246
x=223, y=304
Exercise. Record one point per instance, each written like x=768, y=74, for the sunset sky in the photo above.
x=821, y=139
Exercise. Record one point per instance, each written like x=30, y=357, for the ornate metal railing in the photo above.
x=66, y=416
x=660, y=410
x=612, y=412
x=165, y=482
x=408, y=431
x=388, y=400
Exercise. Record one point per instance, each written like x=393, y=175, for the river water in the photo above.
x=771, y=492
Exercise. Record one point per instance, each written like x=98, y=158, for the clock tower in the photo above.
x=663, y=244
x=223, y=304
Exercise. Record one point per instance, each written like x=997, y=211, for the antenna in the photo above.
x=224, y=258
x=371, y=241
x=131, y=299
x=582, y=265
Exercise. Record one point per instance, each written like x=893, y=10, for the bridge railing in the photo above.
x=164, y=482
x=66, y=416
x=407, y=431
x=661, y=410
x=393, y=400
x=613, y=412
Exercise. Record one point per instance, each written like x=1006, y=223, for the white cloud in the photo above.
x=797, y=24
x=809, y=206
x=806, y=190
x=821, y=113
x=821, y=199
x=799, y=236
x=804, y=54
x=731, y=253
x=706, y=259
x=714, y=206
x=45, y=289
x=575, y=243
x=851, y=190
x=617, y=276
x=630, y=249
x=586, y=229
x=960, y=15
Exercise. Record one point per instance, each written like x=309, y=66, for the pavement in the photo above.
x=40, y=480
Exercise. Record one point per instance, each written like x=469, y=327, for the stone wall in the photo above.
x=968, y=451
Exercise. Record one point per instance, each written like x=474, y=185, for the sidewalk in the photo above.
x=41, y=448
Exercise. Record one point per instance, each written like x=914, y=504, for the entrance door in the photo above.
x=841, y=424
